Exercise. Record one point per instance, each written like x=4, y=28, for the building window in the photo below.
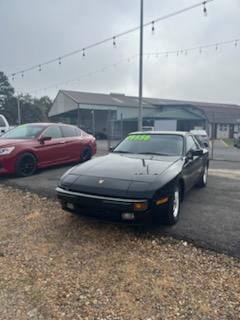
x=223, y=127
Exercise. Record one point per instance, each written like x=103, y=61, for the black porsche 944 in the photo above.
x=143, y=179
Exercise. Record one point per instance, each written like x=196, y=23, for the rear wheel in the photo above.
x=86, y=155
x=203, y=179
x=173, y=208
x=26, y=165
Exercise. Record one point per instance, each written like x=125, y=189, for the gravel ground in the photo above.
x=57, y=266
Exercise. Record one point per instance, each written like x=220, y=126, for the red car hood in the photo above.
x=12, y=142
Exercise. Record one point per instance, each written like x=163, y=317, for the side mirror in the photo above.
x=43, y=139
x=111, y=149
x=197, y=153
x=205, y=144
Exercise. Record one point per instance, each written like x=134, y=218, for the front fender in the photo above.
x=165, y=182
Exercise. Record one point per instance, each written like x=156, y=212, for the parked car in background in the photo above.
x=143, y=180
x=4, y=125
x=201, y=136
x=236, y=140
x=38, y=145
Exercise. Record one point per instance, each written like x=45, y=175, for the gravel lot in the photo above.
x=57, y=266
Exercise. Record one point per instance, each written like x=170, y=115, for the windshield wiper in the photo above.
x=155, y=153
x=121, y=151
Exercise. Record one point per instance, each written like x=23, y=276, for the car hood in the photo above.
x=117, y=174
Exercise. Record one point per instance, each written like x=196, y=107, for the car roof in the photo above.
x=179, y=133
x=48, y=124
x=199, y=132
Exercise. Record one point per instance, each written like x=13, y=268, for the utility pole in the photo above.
x=93, y=122
x=140, y=109
x=19, y=111
x=78, y=115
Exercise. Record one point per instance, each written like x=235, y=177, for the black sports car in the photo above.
x=142, y=180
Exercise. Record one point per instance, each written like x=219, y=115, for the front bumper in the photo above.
x=7, y=164
x=107, y=208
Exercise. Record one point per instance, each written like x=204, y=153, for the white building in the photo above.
x=116, y=114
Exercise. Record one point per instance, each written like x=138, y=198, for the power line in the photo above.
x=114, y=38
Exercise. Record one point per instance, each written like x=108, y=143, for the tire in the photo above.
x=203, y=179
x=173, y=208
x=26, y=165
x=86, y=155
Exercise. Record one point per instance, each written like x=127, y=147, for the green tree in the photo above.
x=32, y=109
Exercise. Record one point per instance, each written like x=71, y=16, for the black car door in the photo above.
x=193, y=164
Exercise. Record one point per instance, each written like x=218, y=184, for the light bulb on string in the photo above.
x=22, y=74
x=153, y=27
x=83, y=53
x=114, y=42
x=59, y=61
x=13, y=76
x=177, y=53
x=39, y=68
x=205, y=9
x=216, y=47
x=236, y=43
x=200, y=50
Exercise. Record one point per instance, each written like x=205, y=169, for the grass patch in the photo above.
x=229, y=142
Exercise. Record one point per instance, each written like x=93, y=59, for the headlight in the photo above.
x=4, y=151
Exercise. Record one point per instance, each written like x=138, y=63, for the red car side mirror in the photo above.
x=43, y=139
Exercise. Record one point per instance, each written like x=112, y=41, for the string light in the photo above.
x=59, y=61
x=236, y=43
x=98, y=43
x=83, y=53
x=205, y=13
x=153, y=27
x=114, y=42
x=22, y=74
x=13, y=76
x=216, y=47
x=39, y=68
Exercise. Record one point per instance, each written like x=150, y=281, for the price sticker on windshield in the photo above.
x=139, y=137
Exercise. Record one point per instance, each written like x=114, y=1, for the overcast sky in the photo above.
x=33, y=31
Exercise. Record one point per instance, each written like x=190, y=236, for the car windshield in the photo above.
x=23, y=132
x=156, y=144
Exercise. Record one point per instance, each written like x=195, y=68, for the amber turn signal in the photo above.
x=161, y=201
x=140, y=206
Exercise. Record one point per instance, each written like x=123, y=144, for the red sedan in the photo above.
x=40, y=145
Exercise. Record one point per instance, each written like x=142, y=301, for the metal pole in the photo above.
x=19, y=111
x=108, y=131
x=93, y=122
x=121, y=126
x=78, y=115
x=140, y=110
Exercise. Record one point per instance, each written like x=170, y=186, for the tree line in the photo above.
x=32, y=109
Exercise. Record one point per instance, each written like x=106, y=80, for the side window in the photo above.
x=191, y=144
x=53, y=132
x=68, y=132
x=2, y=122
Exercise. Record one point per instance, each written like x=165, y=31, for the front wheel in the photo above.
x=26, y=165
x=173, y=208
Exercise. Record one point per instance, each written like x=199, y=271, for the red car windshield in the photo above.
x=23, y=132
